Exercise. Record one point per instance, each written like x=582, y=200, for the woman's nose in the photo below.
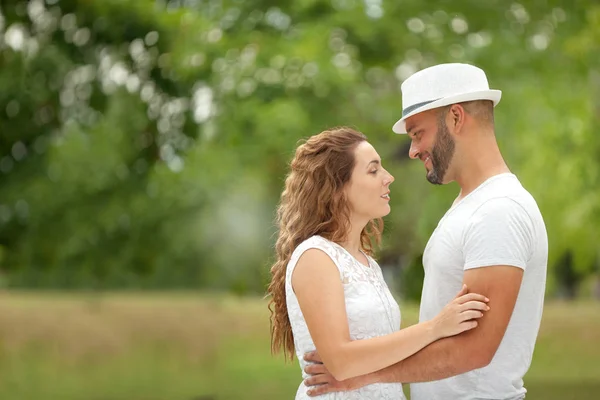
x=388, y=181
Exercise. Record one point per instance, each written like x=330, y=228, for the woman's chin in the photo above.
x=385, y=211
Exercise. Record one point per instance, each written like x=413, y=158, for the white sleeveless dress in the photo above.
x=372, y=311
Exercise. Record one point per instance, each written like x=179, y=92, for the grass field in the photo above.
x=200, y=347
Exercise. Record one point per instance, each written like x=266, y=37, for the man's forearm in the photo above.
x=442, y=359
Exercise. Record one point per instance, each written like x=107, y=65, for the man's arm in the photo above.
x=450, y=356
x=472, y=349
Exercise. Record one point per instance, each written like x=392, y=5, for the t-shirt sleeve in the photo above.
x=500, y=232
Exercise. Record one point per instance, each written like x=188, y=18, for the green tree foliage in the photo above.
x=144, y=143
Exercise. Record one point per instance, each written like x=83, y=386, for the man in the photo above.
x=493, y=239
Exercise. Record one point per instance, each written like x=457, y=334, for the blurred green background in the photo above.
x=143, y=148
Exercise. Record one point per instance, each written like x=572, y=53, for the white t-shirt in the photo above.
x=499, y=223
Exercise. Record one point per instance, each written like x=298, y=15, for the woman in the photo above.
x=328, y=293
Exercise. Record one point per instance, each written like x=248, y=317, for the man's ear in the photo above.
x=456, y=116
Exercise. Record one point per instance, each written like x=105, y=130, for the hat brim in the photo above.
x=493, y=95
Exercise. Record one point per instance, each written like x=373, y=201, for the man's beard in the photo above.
x=441, y=154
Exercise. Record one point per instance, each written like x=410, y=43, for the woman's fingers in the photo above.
x=471, y=297
x=463, y=290
x=474, y=305
x=471, y=314
x=468, y=325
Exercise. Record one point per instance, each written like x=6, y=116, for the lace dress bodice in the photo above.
x=371, y=309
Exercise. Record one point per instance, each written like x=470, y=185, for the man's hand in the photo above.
x=321, y=381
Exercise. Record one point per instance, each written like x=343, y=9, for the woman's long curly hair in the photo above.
x=313, y=203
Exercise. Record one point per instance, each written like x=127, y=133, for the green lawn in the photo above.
x=192, y=347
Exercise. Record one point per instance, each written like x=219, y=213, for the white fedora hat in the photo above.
x=440, y=86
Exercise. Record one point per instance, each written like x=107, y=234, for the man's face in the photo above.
x=432, y=143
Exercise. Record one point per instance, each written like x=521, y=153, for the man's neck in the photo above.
x=483, y=162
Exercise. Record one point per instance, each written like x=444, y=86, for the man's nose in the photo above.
x=413, y=152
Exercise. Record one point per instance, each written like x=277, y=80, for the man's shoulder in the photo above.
x=506, y=195
x=504, y=207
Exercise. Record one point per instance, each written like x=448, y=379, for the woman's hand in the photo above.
x=460, y=314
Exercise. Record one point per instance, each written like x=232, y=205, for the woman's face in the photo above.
x=368, y=190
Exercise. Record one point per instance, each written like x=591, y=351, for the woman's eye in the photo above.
x=373, y=172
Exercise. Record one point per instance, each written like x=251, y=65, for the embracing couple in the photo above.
x=485, y=263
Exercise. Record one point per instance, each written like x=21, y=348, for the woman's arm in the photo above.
x=316, y=282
